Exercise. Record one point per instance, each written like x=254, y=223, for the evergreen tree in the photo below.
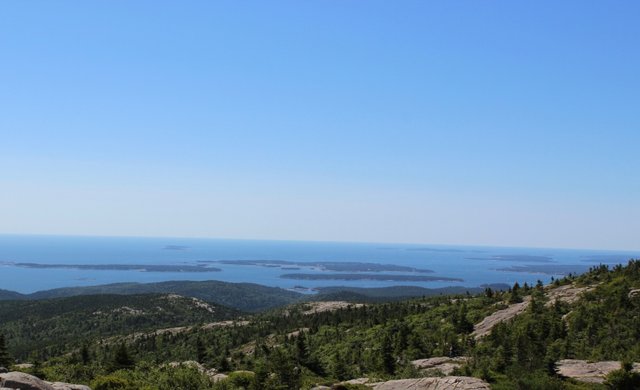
x=223, y=363
x=488, y=292
x=5, y=359
x=201, y=352
x=461, y=321
x=122, y=360
x=302, y=351
x=339, y=368
x=388, y=361
x=515, y=294
x=623, y=379
x=84, y=355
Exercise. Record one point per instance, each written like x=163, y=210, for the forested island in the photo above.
x=340, y=266
x=383, y=277
x=120, y=267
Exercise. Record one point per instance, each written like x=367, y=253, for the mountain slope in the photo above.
x=10, y=295
x=61, y=323
x=247, y=297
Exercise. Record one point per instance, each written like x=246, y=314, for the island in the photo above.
x=516, y=258
x=119, y=267
x=337, y=266
x=175, y=247
x=379, y=277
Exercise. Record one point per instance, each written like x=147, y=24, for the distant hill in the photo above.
x=248, y=297
x=6, y=294
x=394, y=293
x=56, y=323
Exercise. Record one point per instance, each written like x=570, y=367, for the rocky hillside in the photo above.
x=578, y=333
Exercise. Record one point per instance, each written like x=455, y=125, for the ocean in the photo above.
x=32, y=263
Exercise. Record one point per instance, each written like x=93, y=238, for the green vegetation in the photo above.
x=248, y=297
x=295, y=346
x=5, y=359
x=50, y=327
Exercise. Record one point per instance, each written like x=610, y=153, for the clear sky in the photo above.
x=505, y=123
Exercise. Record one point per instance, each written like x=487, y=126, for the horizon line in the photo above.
x=318, y=241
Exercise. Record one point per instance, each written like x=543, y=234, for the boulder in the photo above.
x=442, y=383
x=23, y=381
x=3, y=370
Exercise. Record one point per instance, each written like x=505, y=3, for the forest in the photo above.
x=178, y=343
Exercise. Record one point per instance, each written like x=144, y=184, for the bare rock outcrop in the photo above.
x=441, y=383
x=484, y=327
x=442, y=364
x=68, y=386
x=23, y=381
x=568, y=293
x=323, y=306
x=590, y=372
x=357, y=381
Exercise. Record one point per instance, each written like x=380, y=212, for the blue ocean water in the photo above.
x=475, y=265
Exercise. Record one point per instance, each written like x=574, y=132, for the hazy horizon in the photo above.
x=250, y=239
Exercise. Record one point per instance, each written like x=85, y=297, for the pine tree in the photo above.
x=5, y=359
x=515, y=294
x=340, y=371
x=84, y=355
x=201, y=352
x=302, y=351
x=388, y=361
x=122, y=360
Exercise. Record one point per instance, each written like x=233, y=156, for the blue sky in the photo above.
x=496, y=123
